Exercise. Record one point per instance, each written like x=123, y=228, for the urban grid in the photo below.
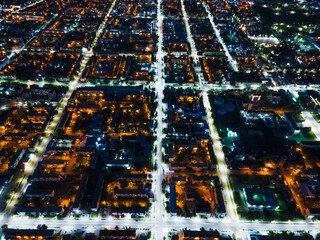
x=160, y=119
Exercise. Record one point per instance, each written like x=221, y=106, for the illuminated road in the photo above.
x=21, y=9
x=159, y=222
x=35, y=158
x=159, y=86
x=185, y=17
x=222, y=169
x=51, y=128
x=17, y=51
x=165, y=225
x=311, y=122
x=294, y=189
x=231, y=61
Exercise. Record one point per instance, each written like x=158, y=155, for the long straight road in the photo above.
x=159, y=222
x=231, y=61
x=222, y=167
x=70, y=224
x=51, y=128
x=159, y=87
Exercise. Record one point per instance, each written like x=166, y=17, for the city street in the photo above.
x=311, y=122
x=51, y=128
x=223, y=225
x=158, y=221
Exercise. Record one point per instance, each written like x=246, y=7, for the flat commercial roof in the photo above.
x=13, y=233
x=261, y=197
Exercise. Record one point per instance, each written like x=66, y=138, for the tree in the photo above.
x=307, y=236
x=4, y=227
x=42, y=227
